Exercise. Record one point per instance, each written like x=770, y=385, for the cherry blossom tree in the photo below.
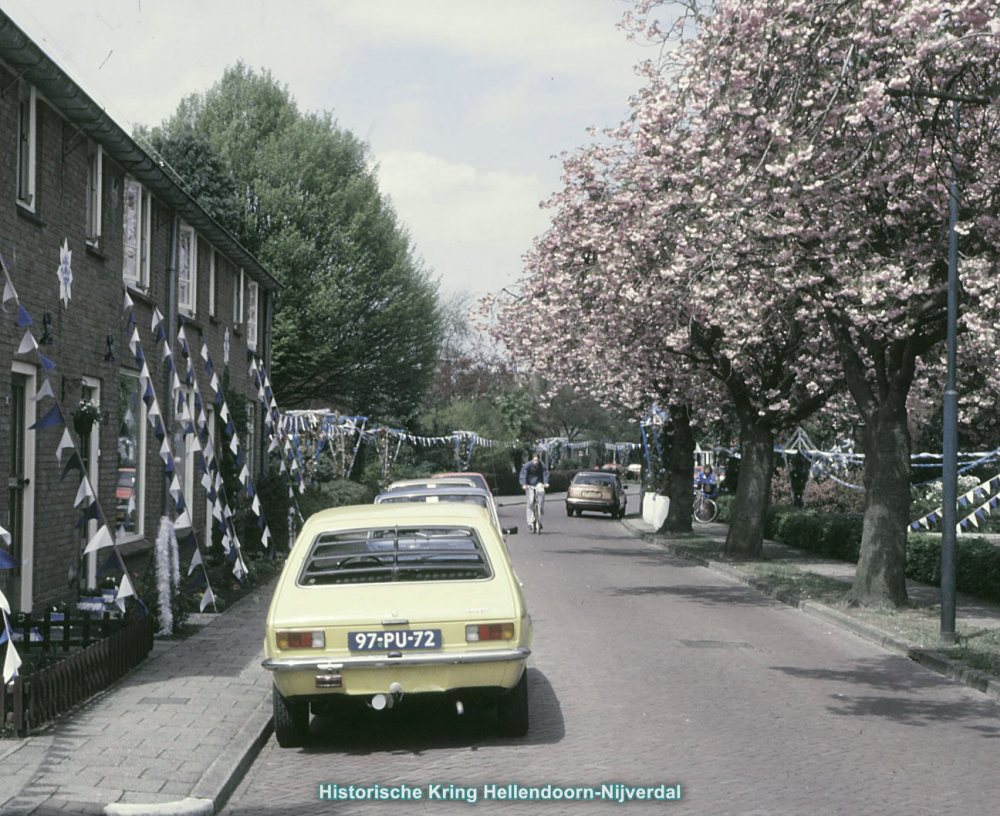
x=825, y=133
x=634, y=301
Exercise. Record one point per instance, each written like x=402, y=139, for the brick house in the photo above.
x=69, y=174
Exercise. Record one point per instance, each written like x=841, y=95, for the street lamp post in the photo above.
x=950, y=441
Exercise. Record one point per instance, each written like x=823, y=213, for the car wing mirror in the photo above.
x=510, y=530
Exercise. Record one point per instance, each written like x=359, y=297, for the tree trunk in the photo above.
x=680, y=471
x=881, y=575
x=746, y=527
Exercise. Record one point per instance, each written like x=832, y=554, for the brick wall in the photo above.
x=79, y=333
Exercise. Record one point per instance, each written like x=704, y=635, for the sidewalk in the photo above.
x=969, y=611
x=172, y=737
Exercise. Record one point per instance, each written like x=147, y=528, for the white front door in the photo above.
x=17, y=583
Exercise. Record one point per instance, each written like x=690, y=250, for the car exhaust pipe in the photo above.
x=380, y=702
x=459, y=708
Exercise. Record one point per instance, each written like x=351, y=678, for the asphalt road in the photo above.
x=649, y=671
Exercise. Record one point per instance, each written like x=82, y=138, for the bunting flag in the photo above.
x=124, y=591
x=50, y=419
x=28, y=343
x=100, y=540
x=12, y=661
x=7, y=561
x=195, y=562
x=206, y=599
x=987, y=489
x=44, y=391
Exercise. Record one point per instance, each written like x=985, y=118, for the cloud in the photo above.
x=558, y=36
x=471, y=226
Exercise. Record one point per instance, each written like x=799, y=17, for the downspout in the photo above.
x=169, y=408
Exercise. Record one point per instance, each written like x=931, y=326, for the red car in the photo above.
x=478, y=478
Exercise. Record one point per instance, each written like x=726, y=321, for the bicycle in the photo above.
x=704, y=509
x=536, y=504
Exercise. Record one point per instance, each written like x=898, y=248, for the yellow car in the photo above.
x=380, y=602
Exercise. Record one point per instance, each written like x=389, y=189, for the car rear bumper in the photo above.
x=360, y=675
x=592, y=504
x=287, y=664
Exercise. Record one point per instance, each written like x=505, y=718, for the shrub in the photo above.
x=508, y=484
x=829, y=496
x=338, y=493
x=832, y=535
x=725, y=503
x=977, y=564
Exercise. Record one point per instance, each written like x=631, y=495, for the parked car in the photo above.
x=598, y=491
x=432, y=482
x=633, y=472
x=478, y=478
x=614, y=467
x=383, y=603
x=447, y=493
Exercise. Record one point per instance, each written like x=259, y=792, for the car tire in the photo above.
x=512, y=709
x=569, y=511
x=291, y=720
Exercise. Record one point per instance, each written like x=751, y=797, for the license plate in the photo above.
x=394, y=640
x=592, y=493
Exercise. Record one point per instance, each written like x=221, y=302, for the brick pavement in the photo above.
x=170, y=738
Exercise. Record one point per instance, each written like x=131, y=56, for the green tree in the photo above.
x=357, y=325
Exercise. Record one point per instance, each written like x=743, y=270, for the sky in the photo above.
x=466, y=104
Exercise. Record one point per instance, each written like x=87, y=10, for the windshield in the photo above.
x=599, y=479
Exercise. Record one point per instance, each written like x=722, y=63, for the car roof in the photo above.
x=408, y=513
x=431, y=483
x=422, y=490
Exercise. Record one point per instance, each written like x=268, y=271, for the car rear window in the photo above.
x=395, y=554
x=598, y=479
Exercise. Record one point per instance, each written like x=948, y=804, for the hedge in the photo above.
x=977, y=564
x=507, y=483
x=828, y=534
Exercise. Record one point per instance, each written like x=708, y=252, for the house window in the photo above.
x=238, y=298
x=212, y=266
x=26, y=130
x=187, y=270
x=252, y=316
x=130, y=487
x=136, y=229
x=95, y=183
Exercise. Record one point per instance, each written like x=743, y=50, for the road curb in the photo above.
x=217, y=784
x=228, y=769
x=925, y=657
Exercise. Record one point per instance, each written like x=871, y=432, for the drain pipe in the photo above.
x=169, y=408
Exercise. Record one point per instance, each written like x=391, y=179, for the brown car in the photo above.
x=597, y=491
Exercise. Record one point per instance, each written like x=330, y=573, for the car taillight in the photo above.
x=300, y=640
x=475, y=632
